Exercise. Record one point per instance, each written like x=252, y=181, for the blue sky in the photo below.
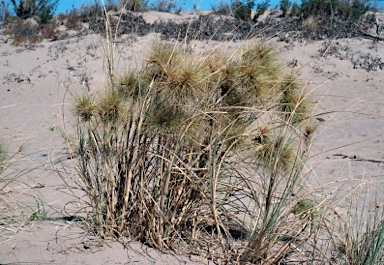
x=187, y=5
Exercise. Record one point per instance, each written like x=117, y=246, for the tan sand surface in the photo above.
x=36, y=90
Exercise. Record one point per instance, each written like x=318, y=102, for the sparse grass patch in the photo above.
x=38, y=214
x=50, y=31
x=223, y=8
x=311, y=24
x=361, y=239
x=170, y=6
x=73, y=20
x=24, y=31
x=11, y=210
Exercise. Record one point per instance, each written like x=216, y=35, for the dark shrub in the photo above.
x=242, y=10
x=222, y=9
x=285, y=5
x=260, y=9
x=135, y=5
x=339, y=8
x=295, y=10
x=43, y=9
x=354, y=10
x=91, y=13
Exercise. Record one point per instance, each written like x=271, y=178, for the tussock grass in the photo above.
x=198, y=152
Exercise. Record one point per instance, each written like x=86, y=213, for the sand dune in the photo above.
x=37, y=86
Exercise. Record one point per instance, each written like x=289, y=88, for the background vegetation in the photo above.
x=30, y=21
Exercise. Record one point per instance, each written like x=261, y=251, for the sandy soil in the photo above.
x=36, y=89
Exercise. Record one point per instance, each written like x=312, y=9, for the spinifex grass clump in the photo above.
x=198, y=150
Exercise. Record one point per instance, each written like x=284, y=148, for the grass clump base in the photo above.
x=198, y=152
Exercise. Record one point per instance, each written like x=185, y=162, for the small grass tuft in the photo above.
x=24, y=32
x=85, y=107
x=39, y=214
x=362, y=238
